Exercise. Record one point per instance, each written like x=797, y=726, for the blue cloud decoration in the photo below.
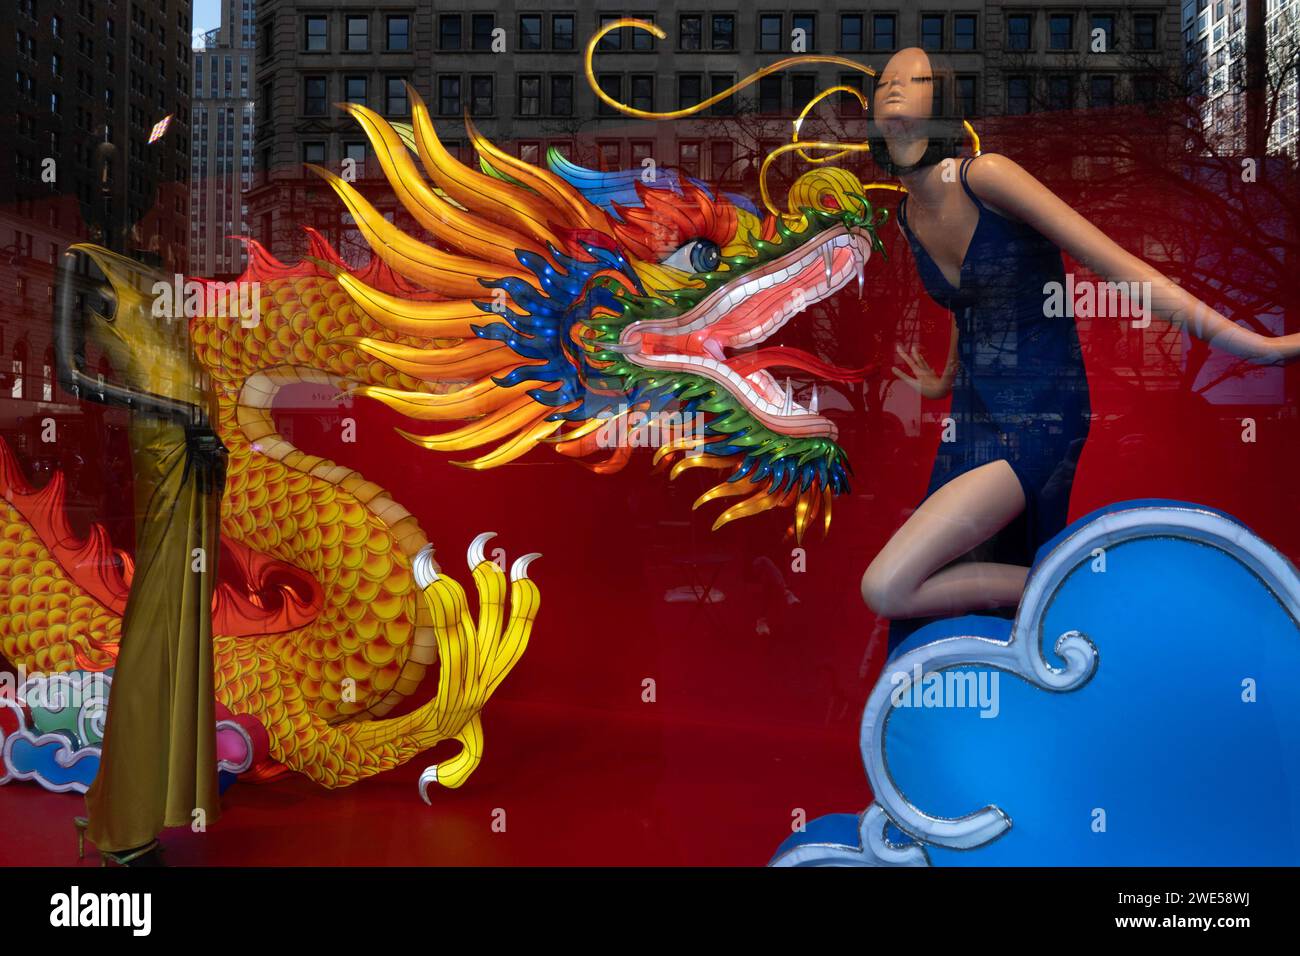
x=1143, y=709
x=52, y=732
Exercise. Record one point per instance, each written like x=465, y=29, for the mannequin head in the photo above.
x=905, y=134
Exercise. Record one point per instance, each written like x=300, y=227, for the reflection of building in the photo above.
x=1282, y=39
x=1236, y=49
x=516, y=68
x=92, y=80
x=222, y=155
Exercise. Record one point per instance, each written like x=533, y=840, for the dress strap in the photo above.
x=965, y=164
x=902, y=213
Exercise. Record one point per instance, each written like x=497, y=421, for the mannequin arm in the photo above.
x=1009, y=189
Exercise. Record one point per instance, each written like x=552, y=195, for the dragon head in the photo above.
x=555, y=303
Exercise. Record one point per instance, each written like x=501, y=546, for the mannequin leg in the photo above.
x=905, y=579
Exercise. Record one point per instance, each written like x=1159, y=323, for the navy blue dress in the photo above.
x=1021, y=393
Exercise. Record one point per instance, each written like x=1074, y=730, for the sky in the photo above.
x=207, y=16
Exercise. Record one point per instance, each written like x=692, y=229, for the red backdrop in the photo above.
x=746, y=731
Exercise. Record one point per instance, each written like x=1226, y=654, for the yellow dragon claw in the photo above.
x=475, y=656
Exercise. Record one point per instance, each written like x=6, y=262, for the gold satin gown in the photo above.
x=159, y=765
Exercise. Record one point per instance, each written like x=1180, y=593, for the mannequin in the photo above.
x=987, y=236
x=158, y=766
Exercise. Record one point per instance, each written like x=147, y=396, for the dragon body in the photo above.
x=543, y=304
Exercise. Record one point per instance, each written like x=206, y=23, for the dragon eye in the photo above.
x=698, y=255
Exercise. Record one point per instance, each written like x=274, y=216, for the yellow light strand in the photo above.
x=658, y=32
x=838, y=150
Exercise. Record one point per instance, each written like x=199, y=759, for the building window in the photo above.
x=690, y=90
x=313, y=95
x=608, y=156
x=1060, y=31
x=1101, y=91
x=932, y=31
x=395, y=101
x=882, y=31
x=1017, y=95
x=1060, y=93
x=561, y=96
x=354, y=90
x=963, y=31
x=356, y=152
x=688, y=159
x=723, y=35
x=803, y=87
x=449, y=31
x=769, y=33
x=613, y=40
x=643, y=92
x=641, y=151
x=531, y=153
x=769, y=95
x=449, y=95
x=530, y=95
x=964, y=96
x=47, y=386
x=317, y=34
x=938, y=97
x=481, y=100
x=807, y=23
x=481, y=27
x=643, y=41
x=530, y=31
x=1144, y=31
x=313, y=153
x=722, y=157
x=1104, y=22
x=1018, y=31
x=19, y=369
x=562, y=32
x=690, y=32
x=612, y=86
x=399, y=33
x=1144, y=89
x=719, y=82
x=851, y=32
x=848, y=104
x=358, y=34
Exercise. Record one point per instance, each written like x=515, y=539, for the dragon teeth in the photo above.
x=715, y=362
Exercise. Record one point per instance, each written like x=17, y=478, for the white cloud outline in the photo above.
x=1022, y=654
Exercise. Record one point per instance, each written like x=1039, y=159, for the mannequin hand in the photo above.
x=923, y=378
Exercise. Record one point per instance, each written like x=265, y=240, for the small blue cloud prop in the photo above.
x=55, y=760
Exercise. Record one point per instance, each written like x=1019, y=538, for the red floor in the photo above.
x=662, y=794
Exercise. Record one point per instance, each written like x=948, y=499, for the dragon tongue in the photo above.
x=714, y=348
x=786, y=357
